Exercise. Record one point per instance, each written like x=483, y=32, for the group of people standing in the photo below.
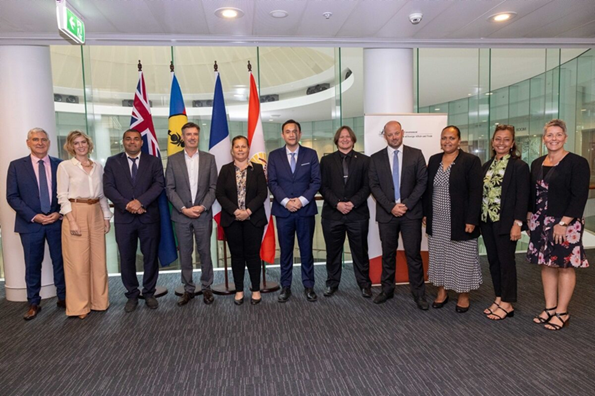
x=454, y=196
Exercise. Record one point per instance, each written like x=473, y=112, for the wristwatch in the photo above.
x=563, y=224
x=519, y=223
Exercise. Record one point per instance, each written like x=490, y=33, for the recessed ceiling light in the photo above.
x=502, y=16
x=437, y=109
x=229, y=13
x=278, y=13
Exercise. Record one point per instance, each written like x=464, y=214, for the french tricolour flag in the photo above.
x=219, y=143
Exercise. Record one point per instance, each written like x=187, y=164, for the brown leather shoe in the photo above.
x=61, y=304
x=32, y=312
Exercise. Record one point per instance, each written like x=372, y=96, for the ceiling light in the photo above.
x=229, y=13
x=502, y=16
x=278, y=13
x=327, y=14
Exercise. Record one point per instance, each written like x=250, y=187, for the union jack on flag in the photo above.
x=142, y=120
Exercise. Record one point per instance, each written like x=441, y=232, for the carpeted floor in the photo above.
x=344, y=345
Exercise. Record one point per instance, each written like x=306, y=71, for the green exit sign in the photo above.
x=69, y=24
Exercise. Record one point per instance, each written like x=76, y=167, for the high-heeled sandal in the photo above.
x=541, y=320
x=490, y=312
x=555, y=326
x=507, y=314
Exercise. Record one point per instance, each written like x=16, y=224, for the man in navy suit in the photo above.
x=133, y=183
x=31, y=192
x=294, y=179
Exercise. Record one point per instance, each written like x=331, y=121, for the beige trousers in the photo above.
x=85, y=270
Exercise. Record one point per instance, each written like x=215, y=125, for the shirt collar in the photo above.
x=128, y=156
x=349, y=154
x=189, y=157
x=297, y=151
x=505, y=158
x=392, y=150
x=35, y=160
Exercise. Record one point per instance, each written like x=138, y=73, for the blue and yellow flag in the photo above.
x=177, y=118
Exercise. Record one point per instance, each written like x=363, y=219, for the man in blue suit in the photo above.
x=133, y=183
x=31, y=192
x=294, y=179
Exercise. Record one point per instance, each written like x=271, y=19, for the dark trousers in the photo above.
x=127, y=237
x=287, y=228
x=244, y=240
x=34, y=248
x=334, y=237
x=501, y=257
x=410, y=230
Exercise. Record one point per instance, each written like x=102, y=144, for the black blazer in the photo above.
x=118, y=187
x=256, y=193
x=568, y=186
x=465, y=188
x=335, y=190
x=414, y=177
x=515, y=194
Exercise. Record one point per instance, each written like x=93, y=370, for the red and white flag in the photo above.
x=259, y=156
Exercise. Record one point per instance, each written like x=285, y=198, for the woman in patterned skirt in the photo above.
x=452, y=206
x=559, y=192
x=503, y=211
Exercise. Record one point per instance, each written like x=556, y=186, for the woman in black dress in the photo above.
x=559, y=192
x=504, y=209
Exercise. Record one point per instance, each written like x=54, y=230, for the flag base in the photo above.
x=160, y=291
x=179, y=291
x=269, y=287
x=224, y=290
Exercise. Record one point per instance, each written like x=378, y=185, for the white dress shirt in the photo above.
x=391, y=157
x=74, y=182
x=192, y=166
x=302, y=199
x=130, y=161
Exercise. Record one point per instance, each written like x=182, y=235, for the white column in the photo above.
x=26, y=101
x=388, y=81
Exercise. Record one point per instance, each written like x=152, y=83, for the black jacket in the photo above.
x=465, y=194
x=515, y=194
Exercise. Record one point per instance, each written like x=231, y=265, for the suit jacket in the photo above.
x=22, y=194
x=568, y=186
x=515, y=194
x=178, y=185
x=256, y=193
x=284, y=184
x=118, y=187
x=465, y=189
x=335, y=190
x=413, y=183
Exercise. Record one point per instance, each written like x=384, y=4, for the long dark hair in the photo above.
x=514, y=152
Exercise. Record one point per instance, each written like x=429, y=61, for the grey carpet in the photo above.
x=344, y=345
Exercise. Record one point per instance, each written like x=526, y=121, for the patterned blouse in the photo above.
x=492, y=189
x=241, y=185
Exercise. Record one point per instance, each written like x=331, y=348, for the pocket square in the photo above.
x=306, y=163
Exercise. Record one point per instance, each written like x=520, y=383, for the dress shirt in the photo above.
x=48, y=171
x=391, y=156
x=130, y=161
x=303, y=200
x=192, y=167
x=74, y=182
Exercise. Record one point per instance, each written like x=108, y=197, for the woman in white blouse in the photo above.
x=80, y=194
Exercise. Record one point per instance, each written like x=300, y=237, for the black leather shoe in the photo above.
x=383, y=297
x=438, y=305
x=185, y=299
x=151, y=302
x=367, y=292
x=131, y=305
x=310, y=295
x=254, y=301
x=422, y=303
x=207, y=296
x=462, y=309
x=238, y=302
x=61, y=304
x=330, y=291
x=285, y=294
x=32, y=312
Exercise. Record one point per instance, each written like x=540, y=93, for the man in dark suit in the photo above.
x=345, y=209
x=398, y=178
x=294, y=179
x=133, y=183
x=191, y=179
x=31, y=192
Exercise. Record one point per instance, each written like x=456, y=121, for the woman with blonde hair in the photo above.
x=80, y=195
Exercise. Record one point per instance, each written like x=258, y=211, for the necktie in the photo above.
x=345, y=169
x=134, y=169
x=292, y=163
x=396, y=176
x=44, y=194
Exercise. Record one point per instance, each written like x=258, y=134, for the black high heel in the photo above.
x=541, y=320
x=555, y=326
x=438, y=305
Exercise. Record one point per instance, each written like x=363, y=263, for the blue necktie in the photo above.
x=134, y=169
x=396, y=176
x=292, y=163
x=44, y=194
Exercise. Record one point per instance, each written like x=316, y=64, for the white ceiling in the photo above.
x=358, y=23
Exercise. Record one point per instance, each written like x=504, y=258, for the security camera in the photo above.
x=415, y=18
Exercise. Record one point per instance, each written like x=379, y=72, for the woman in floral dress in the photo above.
x=559, y=192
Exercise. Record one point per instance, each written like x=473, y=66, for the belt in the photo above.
x=90, y=201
